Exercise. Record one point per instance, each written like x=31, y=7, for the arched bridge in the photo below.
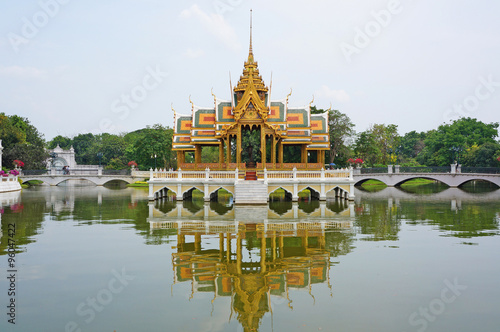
x=97, y=176
x=453, y=177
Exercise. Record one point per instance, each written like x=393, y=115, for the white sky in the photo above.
x=66, y=67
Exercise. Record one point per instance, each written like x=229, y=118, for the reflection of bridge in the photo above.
x=96, y=176
x=453, y=177
x=162, y=214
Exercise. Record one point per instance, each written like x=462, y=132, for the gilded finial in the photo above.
x=288, y=96
x=172, y=106
x=328, y=110
x=251, y=51
x=192, y=104
x=215, y=98
x=312, y=101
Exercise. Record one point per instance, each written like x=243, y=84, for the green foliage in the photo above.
x=210, y=154
x=22, y=141
x=449, y=142
x=116, y=163
x=146, y=143
x=63, y=142
x=341, y=130
x=366, y=148
x=250, y=144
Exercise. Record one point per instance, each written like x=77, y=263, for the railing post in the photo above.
x=453, y=169
x=236, y=174
x=294, y=172
x=179, y=174
x=322, y=173
x=389, y=169
x=207, y=173
x=351, y=173
x=265, y=174
x=459, y=168
x=53, y=171
x=151, y=175
x=396, y=169
x=99, y=171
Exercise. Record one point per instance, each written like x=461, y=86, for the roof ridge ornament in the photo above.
x=312, y=101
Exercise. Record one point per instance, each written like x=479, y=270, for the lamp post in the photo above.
x=456, y=149
x=153, y=156
x=53, y=155
x=99, y=156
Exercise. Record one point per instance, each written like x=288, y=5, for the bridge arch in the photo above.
x=214, y=194
x=163, y=192
x=496, y=183
x=433, y=178
x=96, y=180
x=188, y=193
x=360, y=182
x=288, y=194
x=315, y=194
x=339, y=192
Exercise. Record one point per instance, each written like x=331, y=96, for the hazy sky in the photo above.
x=74, y=66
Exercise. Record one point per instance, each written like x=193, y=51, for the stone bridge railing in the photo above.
x=452, y=169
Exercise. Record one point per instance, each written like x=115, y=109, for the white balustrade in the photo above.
x=268, y=175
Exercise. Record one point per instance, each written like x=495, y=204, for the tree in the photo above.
x=341, y=129
x=63, y=142
x=22, y=141
x=411, y=144
x=250, y=146
x=366, y=148
x=448, y=143
x=145, y=143
x=387, y=140
x=33, y=156
x=482, y=156
x=9, y=133
x=84, y=152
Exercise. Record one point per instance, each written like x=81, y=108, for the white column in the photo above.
x=389, y=169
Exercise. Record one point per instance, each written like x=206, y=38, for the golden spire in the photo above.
x=251, y=74
x=250, y=52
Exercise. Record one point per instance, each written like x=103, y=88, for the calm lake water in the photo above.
x=99, y=259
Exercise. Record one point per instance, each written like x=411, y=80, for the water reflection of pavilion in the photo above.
x=252, y=262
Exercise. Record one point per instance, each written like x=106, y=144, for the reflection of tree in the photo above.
x=309, y=206
x=27, y=219
x=471, y=220
x=376, y=218
x=337, y=205
x=220, y=209
x=382, y=219
x=280, y=207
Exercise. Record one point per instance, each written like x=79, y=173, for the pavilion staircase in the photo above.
x=251, y=175
x=251, y=192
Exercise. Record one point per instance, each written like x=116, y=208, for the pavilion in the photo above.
x=250, y=108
